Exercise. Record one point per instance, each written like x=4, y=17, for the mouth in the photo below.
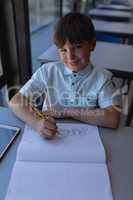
x=74, y=62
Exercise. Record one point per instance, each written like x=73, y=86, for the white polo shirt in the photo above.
x=88, y=88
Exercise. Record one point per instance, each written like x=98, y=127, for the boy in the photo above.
x=73, y=87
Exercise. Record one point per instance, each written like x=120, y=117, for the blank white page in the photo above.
x=77, y=142
x=59, y=181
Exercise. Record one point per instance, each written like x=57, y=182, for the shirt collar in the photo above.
x=82, y=72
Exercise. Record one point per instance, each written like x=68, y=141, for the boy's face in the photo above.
x=76, y=56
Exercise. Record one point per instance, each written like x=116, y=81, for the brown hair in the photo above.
x=74, y=27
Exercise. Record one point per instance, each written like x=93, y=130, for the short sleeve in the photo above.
x=109, y=94
x=36, y=85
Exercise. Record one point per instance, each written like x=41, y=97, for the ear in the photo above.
x=93, y=44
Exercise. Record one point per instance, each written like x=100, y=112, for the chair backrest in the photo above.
x=126, y=93
x=129, y=120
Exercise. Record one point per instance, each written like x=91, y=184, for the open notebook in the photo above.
x=75, y=143
x=71, y=167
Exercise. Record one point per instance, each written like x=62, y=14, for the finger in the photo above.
x=48, y=134
x=51, y=119
x=50, y=125
x=48, y=137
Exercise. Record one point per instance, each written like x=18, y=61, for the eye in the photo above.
x=63, y=50
x=78, y=46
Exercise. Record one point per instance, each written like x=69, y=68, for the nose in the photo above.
x=71, y=54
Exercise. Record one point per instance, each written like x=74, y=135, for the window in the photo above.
x=1, y=70
x=42, y=12
x=42, y=17
x=2, y=80
x=68, y=6
x=14, y=44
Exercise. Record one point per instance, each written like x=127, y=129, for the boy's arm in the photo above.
x=108, y=117
x=45, y=126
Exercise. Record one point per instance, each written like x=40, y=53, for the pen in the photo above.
x=40, y=114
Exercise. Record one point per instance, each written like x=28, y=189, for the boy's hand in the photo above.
x=46, y=127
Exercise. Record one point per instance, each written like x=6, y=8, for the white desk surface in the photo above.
x=111, y=14
x=115, y=7
x=119, y=145
x=116, y=57
x=121, y=29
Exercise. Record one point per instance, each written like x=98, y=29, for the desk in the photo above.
x=120, y=2
x=120, y=29
x=115, y=7
x=110, y=15
x=119, y=145
x=116, y=57
x=6, y=164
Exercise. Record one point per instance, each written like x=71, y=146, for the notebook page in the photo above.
x=59, y=181
x=77, y=142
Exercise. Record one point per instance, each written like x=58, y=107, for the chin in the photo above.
x=78, y=68
x=75, y=66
